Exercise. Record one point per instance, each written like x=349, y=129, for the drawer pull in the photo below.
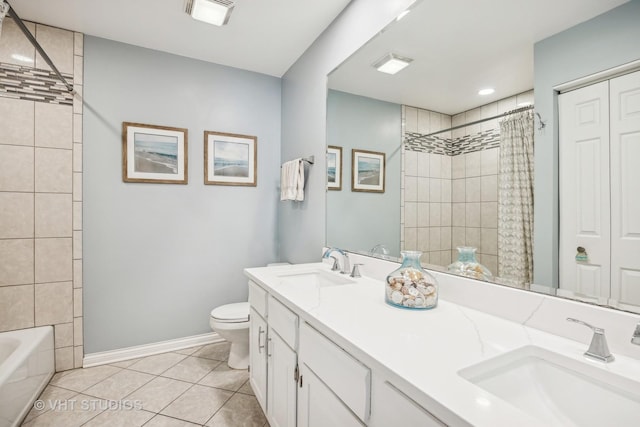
x=260, y=346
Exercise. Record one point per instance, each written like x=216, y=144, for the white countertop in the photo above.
x=424, y=348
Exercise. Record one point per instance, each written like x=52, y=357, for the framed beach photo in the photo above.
x=334, y=168
x=230, y=159
x=367, y=171
x=154, y=154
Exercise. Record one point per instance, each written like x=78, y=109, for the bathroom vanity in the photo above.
x=326, y=350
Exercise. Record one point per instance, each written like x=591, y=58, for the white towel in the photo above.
x=292, y=180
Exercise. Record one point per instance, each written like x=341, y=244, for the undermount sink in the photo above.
x=317, y=278
x=558, y=390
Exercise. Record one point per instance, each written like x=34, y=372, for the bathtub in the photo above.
x=26, y=366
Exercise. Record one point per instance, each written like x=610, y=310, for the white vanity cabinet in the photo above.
x=273, y=360
x=302, y=378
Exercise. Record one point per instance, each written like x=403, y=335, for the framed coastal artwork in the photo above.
x=230, y=159
x=334, y=168
x=367, y=171
x=154, y=154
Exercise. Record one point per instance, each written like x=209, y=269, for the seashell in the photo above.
x=409, y=303
x=415, y=275
x=413, y=291
x=430, y=301
x=419, y=302
x=430, y=290
x=396, y=297
x=396, y=286
x=405, y=290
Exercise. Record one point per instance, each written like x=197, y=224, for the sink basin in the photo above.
x=316, y=278
x=558, y=390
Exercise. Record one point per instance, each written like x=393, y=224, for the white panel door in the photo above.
x=318, y=406
x=625, y=191
x=258, y=357
x=584, y=191
x=282, y=384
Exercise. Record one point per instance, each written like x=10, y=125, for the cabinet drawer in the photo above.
x=283, y=321
x=349, y=379
x=258, y=299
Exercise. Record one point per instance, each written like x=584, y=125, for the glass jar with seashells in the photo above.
x=410, y=286
x=467, y=265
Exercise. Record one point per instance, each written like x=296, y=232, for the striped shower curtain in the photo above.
x=515, y=200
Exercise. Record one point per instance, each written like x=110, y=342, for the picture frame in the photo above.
x=230, y=159
x=367, y=171
x=154, y=154
x=334, y=168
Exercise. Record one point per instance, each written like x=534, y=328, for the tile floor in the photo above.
x=185, y=388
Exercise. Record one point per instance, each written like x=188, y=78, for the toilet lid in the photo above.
x=238, y=312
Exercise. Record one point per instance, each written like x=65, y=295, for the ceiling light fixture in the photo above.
x=487, y=91
x=391, y=63
x=216, y=12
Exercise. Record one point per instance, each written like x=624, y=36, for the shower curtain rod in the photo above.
x=39, y=48
x=517, y=110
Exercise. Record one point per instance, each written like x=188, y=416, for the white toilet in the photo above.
x=231, y=322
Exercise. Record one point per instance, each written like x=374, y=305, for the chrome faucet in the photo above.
x=635, y=339
x=345, y=259
x=598, y=349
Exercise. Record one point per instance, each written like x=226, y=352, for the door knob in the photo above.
x=582, y=254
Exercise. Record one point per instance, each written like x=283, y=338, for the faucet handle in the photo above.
x=635, y=339
x=356, y=270
x=336, y=266
x=598, y=349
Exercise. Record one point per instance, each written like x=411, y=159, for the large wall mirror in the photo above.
x=458, y=167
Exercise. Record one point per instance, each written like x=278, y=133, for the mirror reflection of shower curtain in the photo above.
x=515, y=199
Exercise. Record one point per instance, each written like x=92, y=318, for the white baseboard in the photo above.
x=112, y=356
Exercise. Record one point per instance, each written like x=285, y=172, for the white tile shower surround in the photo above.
x=452, y=200
x=41, y=188
x=184, y=388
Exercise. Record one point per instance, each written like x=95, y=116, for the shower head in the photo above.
x=4, y=9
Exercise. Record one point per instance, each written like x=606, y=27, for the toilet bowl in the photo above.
x=231, y=322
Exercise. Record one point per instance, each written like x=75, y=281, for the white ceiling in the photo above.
x=266, y=36
x=459, y=47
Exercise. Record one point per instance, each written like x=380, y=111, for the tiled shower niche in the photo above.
x=41, y=187
x=450, y=182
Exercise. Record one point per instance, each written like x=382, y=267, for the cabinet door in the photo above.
x=319, y=407
x=258, y=357
x=282, y=386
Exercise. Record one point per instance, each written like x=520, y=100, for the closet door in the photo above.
x=625, y=190
x=584, y=191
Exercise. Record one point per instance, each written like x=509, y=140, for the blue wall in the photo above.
x=304, y=108
x=604, y=42
x=356, y=220
x=159, y=257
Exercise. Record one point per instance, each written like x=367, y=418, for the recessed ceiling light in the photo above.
x=392, y=63
x=487, y=91
x=403, y=14
x=216, y=12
